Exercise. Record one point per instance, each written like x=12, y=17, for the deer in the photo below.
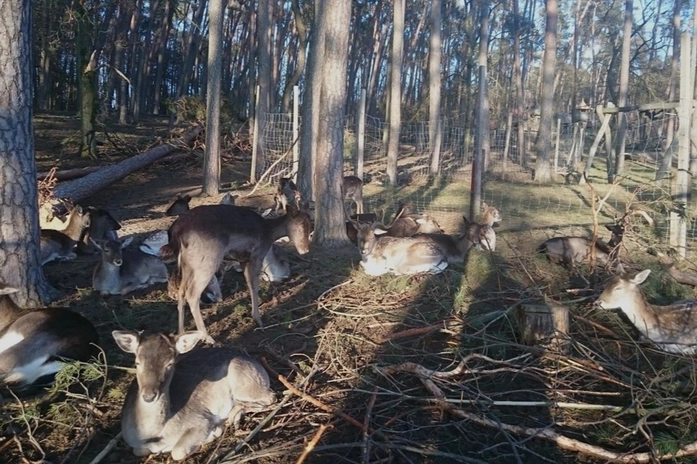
x=482, y=233
x=32, y=342
x=178, y=205
x=455, y=247
x=397, y=255
x=181, y=397
x=60, y=245
x=286, y=194
x=203, y=237
x=352, y=187
x=102, y=226
x=121, y=272
x=672, y=328
x=569, y=251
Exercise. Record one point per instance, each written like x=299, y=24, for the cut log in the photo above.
x=82, y=188
x=544, y=323
x=68, y=174
x=683, y=277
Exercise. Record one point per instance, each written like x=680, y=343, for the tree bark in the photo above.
x=434, y=80
x=211, y=160
x=330, y=221
x=395, y=108
x=624, y=87
x=301, y=28
x=87, y=81
x=20, y=265
x=543, y=169
x=265, y=37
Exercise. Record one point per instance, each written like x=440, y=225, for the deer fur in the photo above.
x=574, y=250
x=124, y=271
x=33, y=341
x=183, y=397
x=672, y=328
x=352, y=187
x=178, y=205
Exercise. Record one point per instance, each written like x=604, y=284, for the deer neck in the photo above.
x=109, y=277
x=9, y=311
x=150, y=418
x=74, y=227
x=277, y=227
x=640, y=312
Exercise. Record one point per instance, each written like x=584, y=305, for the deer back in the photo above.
x=56, y=245
x=179, y=205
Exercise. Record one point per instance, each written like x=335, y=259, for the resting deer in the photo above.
x=124, y=271
x=482, y=232
x=573, y=250
x=179, y=205
x=352, y=188
x=60, y=245
x=183, y=398
x=671, y=328
x=287, y=193
x=455, y=247
x=207, y=234
x=102, y=226
x=33, y=341
x=397, y=255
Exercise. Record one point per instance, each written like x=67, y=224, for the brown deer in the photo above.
x=206, y=235
x=397, y=255
x=121, y=272
x=33, y=341
x=287, y=193
x=183, y=397
x=103, y=226
x=483, y=232
x=573, y=250
x=455, y=247
x=672, y=328
x=352, y=188
x=60, y=245
x=178, y=205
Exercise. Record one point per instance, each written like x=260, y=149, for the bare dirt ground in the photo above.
x=343, y=339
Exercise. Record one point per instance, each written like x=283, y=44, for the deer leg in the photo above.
x=194, y=282
x=252, y=270
x=181, y=297
x=358, y=198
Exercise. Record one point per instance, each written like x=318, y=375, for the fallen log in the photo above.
x=81, y=188
x=69, y=174
x=686, y=278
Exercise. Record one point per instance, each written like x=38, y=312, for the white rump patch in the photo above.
x=9, y=340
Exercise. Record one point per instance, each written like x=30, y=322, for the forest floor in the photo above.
x=421, y=369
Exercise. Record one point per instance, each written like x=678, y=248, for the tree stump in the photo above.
x=546, y=324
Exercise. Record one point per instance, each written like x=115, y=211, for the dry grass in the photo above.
x=423, y=369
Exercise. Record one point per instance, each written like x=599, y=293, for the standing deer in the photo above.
x=121, y=272
x=352, y=188
x=671, y=328
x=33, y=341
x=206, y=235
x=183, y=398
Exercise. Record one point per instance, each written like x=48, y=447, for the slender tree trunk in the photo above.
x=330, y=227
x=211, y=161
x=624, y=86
x=543, y=169
x=519, y=94
x=301, y=28
x=20, y=265
x=674, y=73
x=87, y=81
x=163, y=37
x=395, y=109
x=434, y=79
x=265, y=36
x=309, y=129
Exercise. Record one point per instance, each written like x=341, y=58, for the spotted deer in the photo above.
x=121, y=272
x=352, y=188
x=672, y=328
x=32, y=342
x=183, y=397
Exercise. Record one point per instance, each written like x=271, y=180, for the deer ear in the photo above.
x=187, y=341
x=127, y=340
x=379, y=231
x=126, y=241
x=641, y=277
x=98, y=243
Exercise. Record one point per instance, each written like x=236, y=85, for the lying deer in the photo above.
x=102, y=226
x=60, y=245
x=33, y=341
x=397, y=255
x=671, y=328
x=179, y=205
x=207, y=234
x=364, y=218
x=183, y=398
x=455, y=247
x=287, y=193
x=482, y=233
x=352, y=188
x=573, y=250
x=121, y=272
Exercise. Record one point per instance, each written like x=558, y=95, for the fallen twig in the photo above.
x=107, y=449
x=311, y=444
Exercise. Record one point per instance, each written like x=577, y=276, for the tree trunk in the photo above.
x=519, y=94
x=395, y=109
x=434, y=135
x=301, y=27
x=624, y=87
x=330, y=221
x=211, y=160
x=92, y=183
x=87, y=81
x=264, y=37
x=310, y=108
x=543, y=169
x=20, y=265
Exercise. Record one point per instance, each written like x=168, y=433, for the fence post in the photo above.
x=479, y=153
x=296, y=132
x=681, y=186
x=556, y=147
x=360, y=134
x=255, y=140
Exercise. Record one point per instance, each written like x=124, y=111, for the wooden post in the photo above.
x=543, y=323
x=507, y=144
x=478, y=161
x=556, y=147
x=598, y=138
x=681, y=186
x=296, y=132
x=255, y=140
x=360, y=134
